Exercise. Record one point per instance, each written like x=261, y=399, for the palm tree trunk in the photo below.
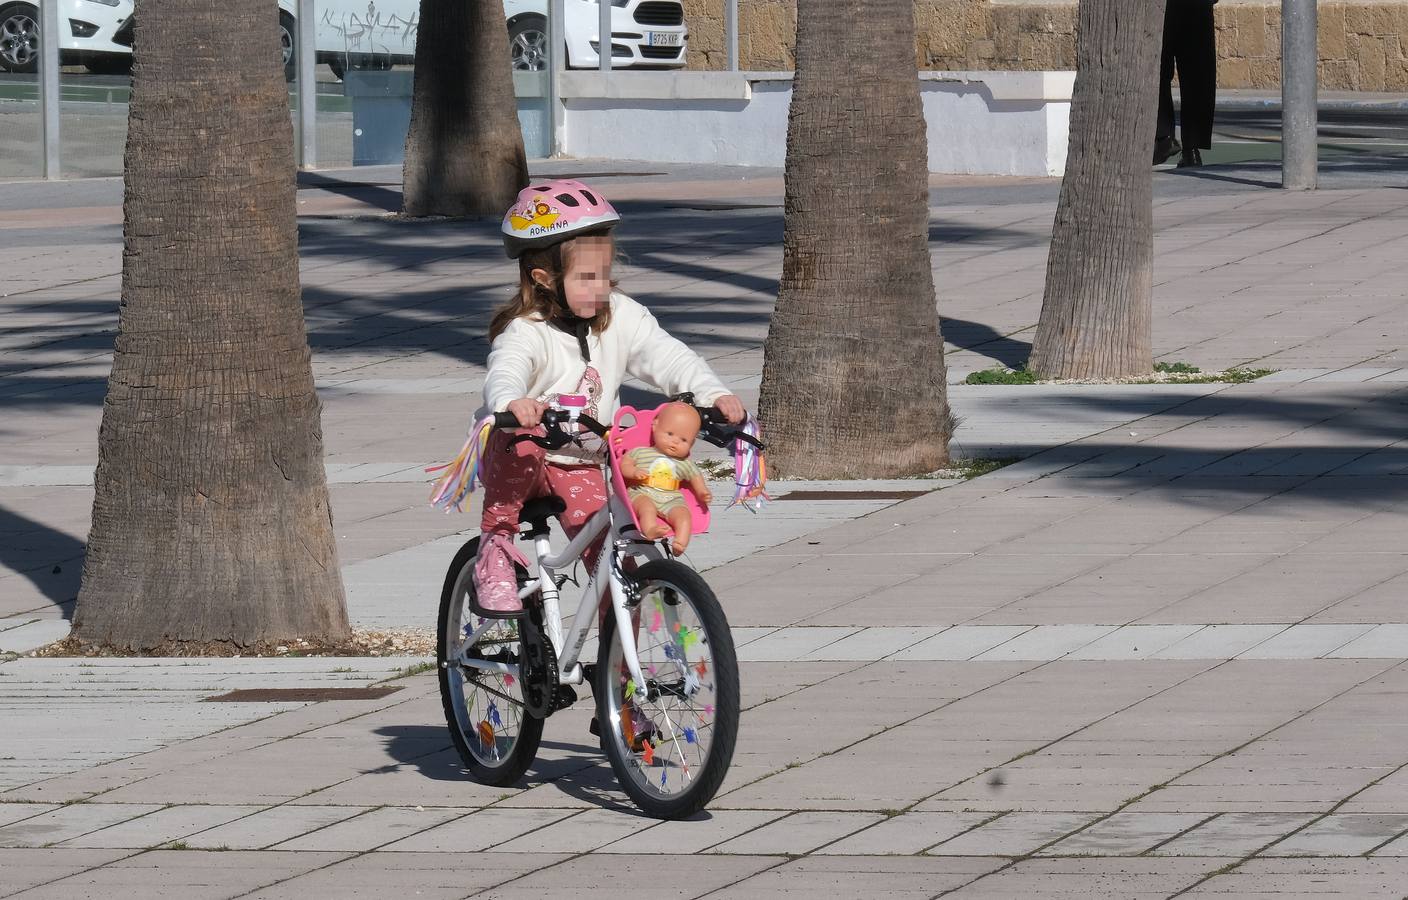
x=1096, y=312
x=211, y=520
x=464, y=149
x=853, y=370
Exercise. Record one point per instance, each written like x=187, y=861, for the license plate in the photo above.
x=664, y=39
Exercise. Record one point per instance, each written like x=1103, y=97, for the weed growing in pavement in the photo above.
x=1164, y=373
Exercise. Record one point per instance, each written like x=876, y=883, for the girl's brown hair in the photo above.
x=537, y=301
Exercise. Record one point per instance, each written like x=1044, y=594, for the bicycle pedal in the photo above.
x=564, y=698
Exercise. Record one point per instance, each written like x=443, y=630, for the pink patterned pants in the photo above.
x=513, y=476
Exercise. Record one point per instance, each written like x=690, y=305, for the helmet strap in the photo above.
x=568, y=321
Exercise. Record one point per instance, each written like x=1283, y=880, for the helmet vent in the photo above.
x=568, y=200
x=591, y=198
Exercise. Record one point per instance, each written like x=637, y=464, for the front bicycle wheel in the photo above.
x=670, y=740
x=496, y=737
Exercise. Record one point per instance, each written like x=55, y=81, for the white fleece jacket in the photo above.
x=534, y=359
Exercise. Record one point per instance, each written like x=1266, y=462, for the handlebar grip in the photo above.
x=505, y=420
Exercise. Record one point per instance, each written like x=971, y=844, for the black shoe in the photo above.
x=1164, y=148
x=1191, y=159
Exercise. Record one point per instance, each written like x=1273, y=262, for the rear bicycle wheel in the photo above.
x=670, y=741
x=496, y=737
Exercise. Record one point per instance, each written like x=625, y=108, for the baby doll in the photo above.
x=654, y=475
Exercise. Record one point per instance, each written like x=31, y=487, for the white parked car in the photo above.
x=380, y=33
x=366, y=33
x=96, y=33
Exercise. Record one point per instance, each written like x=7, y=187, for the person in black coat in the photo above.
x=1190, y=44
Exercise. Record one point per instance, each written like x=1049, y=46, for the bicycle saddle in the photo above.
x=537, y=511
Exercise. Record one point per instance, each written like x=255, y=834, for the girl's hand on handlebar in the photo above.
x=528, y=411
x=731, y=408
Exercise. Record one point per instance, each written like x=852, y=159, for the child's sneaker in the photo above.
x=635, y=728
x=495, y=579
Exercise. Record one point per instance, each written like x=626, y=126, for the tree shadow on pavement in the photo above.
x=985, y=340
x=576, y=769
x=1358, y=459
x=377, y=194
x=50, y=559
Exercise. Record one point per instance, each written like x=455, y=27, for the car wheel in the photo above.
x=528, y=44
x=287, y=46
x=19, y=38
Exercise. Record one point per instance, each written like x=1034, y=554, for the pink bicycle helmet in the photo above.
x=549, y=212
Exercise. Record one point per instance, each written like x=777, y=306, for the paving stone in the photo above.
x=33, y=635
x=801, y=832
x=162, y=826
x=15, y=812
x=1340, y=835
x=696, y=834
x=1219, y=642
x=580, y=833
x=1305, y=642
x=1125, y=834
x=1134, y=642
x=191, y=874
x=911, y=832
x=1379, y=642
x=1234, y=834
x=70, y=822
x=271, y=826
x=873, y=643
x=1116, y=878
x=1015, y=834
x=1377, y=878
x=371, y=830
x=961, y=642
x=406, y=876
x=598, y=876
x=480, y=831
x=29, y=867
x=1047, y=642
x=788, y=644
x=891, y=877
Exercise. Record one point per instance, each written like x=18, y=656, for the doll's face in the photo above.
x=674, y=430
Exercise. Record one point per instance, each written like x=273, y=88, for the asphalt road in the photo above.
x=1243, y=134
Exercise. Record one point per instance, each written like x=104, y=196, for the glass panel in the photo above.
x=95, y=41
x=93, y=119
x=21, y=122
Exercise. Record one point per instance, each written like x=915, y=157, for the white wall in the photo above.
x=979, y=123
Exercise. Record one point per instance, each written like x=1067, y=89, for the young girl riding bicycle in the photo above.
x=567, y=337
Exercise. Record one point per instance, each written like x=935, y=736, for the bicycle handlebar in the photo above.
x=716, y=430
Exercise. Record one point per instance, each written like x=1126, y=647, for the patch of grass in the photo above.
x=1001, y=375
x=342, y=670
x=1164, y=373
x=418, y=668
x=966, y=469
x=176, y=845
x=972, y=468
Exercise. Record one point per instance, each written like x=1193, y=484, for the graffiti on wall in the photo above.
x=370, y=31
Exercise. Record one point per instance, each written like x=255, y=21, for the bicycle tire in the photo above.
x=677, y=714
x=466, y=717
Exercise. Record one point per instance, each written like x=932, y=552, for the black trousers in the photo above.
x=1190, y=45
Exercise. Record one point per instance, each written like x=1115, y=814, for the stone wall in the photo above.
x=1362, y=42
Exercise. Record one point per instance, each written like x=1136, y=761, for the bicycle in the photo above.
x=665, y=680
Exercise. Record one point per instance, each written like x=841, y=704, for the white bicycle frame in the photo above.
x=569, y=652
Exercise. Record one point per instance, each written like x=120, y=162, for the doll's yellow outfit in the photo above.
x=664, y=475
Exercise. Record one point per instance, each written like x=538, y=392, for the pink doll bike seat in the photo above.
x=626, y=437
